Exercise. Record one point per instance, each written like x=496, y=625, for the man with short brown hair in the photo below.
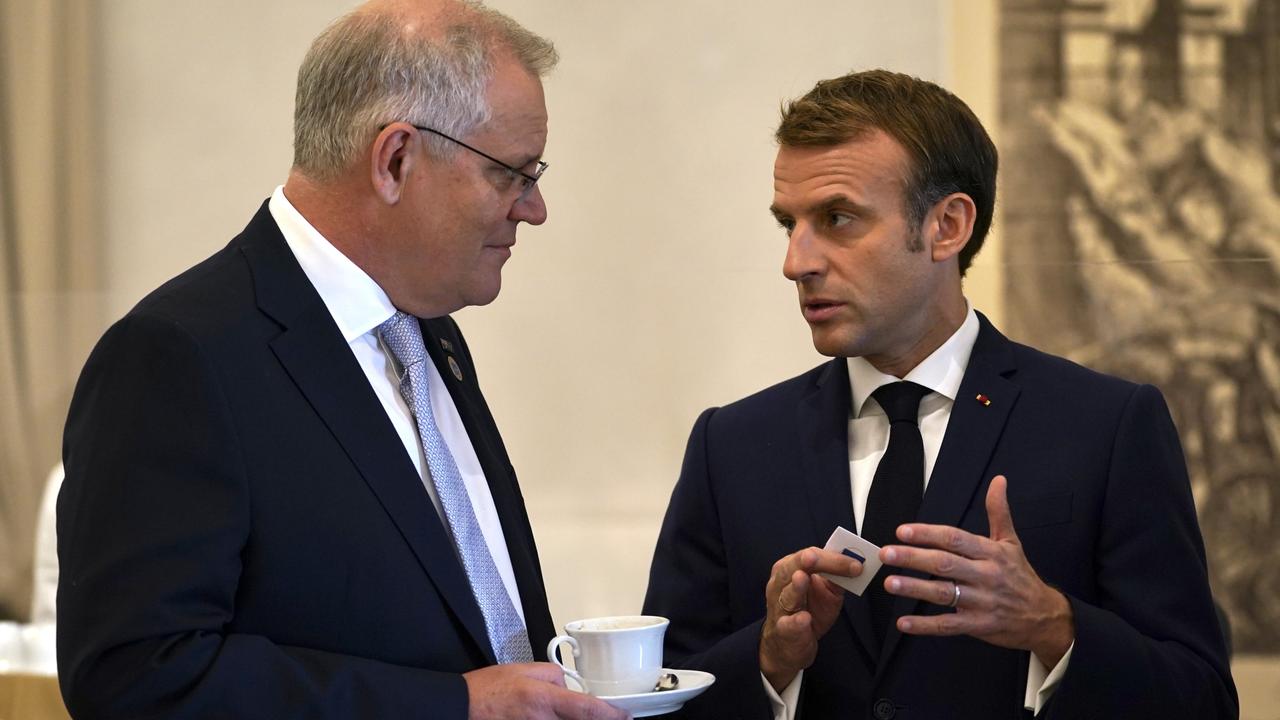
x=1034, y=518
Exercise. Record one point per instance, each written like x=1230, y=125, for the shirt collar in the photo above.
x=355, y=301
x=941, y=372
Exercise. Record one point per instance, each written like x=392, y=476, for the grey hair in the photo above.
x=365, y=70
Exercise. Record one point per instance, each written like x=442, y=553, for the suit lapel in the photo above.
x=447, y=350
x=313, y=352
x=823, y=424
x=972, y=434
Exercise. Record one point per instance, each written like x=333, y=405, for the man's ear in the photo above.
x=949, y=226
x=390, y=160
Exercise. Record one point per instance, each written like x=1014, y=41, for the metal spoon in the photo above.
x=667, y=681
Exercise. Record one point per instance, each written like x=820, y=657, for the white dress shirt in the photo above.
x=358, y=306
x=941, y=372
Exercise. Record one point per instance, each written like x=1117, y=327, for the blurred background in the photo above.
x=138, y=136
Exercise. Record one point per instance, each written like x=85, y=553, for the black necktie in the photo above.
x=897, y=487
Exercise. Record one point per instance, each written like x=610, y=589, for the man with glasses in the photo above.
x=285, y=494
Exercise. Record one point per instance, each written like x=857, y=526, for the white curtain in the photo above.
x=50, y=276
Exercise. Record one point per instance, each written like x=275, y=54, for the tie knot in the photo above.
x=901, y=401
x=404, y=338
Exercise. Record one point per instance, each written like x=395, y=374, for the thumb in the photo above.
x=581, y=706
x=998, y=515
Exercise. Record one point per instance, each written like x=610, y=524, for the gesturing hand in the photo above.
x=531, y=691
x=1000, y=600
x=800, y=607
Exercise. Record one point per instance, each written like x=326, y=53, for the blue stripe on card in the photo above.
x=853, y=555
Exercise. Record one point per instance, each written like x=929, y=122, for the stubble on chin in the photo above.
x=829, y=343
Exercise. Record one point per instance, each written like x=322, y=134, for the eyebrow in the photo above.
x=826, y=205
x=531, y=159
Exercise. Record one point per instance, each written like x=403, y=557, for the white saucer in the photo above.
x=659, y=702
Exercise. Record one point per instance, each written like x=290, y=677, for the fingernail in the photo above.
x=894, y=584
x=890, y=555
x=905, y=533
x=904, y=624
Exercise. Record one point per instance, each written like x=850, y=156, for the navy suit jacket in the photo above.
x=1100, y=499
x=241, y=533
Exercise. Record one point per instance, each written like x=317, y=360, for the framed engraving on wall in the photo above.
x=1140, y=145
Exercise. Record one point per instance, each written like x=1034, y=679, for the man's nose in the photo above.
x=804, y=258
x=530, y=207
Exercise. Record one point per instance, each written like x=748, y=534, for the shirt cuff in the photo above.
x=784, y=705
x=1041, y=682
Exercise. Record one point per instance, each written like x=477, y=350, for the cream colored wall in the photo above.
x=654, y=290
x=197, y=125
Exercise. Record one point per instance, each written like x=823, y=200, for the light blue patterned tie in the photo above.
x=507, y=633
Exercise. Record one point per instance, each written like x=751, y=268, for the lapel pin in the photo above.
x=986, y=401
x=448, y=346
x=453, y=365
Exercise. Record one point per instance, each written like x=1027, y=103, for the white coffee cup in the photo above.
x=619, y=655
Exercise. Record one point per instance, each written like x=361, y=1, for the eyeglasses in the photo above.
x=527, y=181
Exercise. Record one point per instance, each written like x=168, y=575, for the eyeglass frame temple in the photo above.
x=533, y=179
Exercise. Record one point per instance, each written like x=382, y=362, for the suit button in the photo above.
x=884, y=709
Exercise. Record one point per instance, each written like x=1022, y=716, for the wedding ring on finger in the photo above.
x=955, y=599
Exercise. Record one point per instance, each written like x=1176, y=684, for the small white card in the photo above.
x=846, y=543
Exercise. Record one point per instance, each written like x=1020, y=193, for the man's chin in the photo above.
x=485, y=293
x=827, y=341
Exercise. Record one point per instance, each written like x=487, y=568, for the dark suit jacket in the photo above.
x=241, y=533
x=1100, y=499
